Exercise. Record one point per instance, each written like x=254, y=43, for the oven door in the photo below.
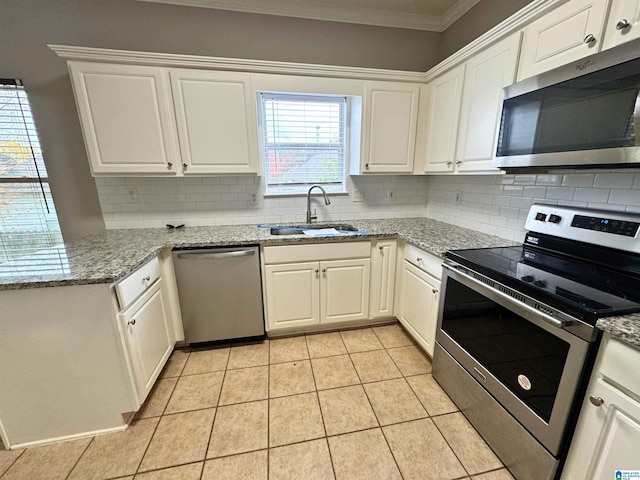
x=523, y=357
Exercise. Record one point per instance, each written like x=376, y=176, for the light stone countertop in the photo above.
x=111, y=255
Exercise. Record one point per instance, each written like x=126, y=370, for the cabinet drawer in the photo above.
x=136, y=283
x=316, y=252
x=620, y=363
x=426, y=261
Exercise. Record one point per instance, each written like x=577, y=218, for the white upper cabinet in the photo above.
x=389, y=127
x=126, y=118
x=623, y=23
x=444, y=97
x=570, y=32
x=487, y=73
x=216, y=119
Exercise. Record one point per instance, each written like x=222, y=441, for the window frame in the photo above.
x=302, y=189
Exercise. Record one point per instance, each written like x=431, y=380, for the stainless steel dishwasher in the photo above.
x=220, y=292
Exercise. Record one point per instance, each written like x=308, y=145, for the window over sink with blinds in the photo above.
x=28, y=220
x=303, y=142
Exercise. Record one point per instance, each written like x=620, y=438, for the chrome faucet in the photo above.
x=313, y=217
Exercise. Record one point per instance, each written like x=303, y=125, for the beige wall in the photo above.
x=485, y=15
x=26, y=26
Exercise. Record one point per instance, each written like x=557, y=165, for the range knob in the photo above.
x=554, y=218
x=528, y=278
x=541, y=217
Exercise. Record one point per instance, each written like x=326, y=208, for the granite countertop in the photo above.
x=111, y=255
x=108, y=256
x=625, y=327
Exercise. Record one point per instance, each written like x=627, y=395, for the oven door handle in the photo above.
x=555, y=322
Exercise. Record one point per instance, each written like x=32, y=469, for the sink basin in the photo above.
x=297, y=229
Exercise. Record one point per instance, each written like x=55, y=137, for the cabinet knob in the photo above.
x=418, y=259
x=622, y=24
x=381, y=248
x=317, y=271
x=434, y=291
x=131, y=322
x=448, y=163
x=589, y=39
x=597, y=401
x=366, y=166
x=169, y=165
x=324, y=270
x=184, y=166
x=458, y=162
x=147, y=278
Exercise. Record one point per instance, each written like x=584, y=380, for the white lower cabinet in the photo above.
x=292, y=294
x=148, y=339
x=383, y=278
x=607, y=438
x=302, y=294
x=419, y=296
x=314, y=284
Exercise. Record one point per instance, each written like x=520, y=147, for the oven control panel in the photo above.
x=611, y=229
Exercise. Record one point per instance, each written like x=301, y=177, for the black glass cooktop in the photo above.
x=581, y=288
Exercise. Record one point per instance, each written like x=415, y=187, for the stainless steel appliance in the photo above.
x=220, y=292
x=516, y=333
x=586, y=113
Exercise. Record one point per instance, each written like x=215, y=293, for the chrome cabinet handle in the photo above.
x=418, y=259
x=622, y=24
x=458, y=162
x=169, y=165
x=597, y=401
x=146, y=279
x=131, y=322
x=214, y=256
x=448, y=163
x=589, y=39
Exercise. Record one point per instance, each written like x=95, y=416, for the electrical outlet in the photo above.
x=254, y=197
x=132, y=194
x=358, y=196
x=459, y=196
x=390, y=194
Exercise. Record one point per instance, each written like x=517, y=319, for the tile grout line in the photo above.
x=324, y=427
x=269, y=406
x=14, y=462
x=78, y=460
x=215, y=414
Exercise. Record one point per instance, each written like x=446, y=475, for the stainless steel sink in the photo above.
x=297, y=229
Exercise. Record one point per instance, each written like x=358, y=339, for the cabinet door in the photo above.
x=389, y=134
x=486, y=75
x=623, y=12
x=607, y=438
x=419, y=305
x=292, y=293
x=148, y=338
x=216, y=119
x=445, y=97
x=560, y=36
x=126, y=118
x=344, y=290
x=383, y=278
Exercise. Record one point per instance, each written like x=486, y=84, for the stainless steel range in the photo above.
x=516, y=332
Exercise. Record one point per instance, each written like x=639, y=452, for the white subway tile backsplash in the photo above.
x=509, y=197
x=227, y=200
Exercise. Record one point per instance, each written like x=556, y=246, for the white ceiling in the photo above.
x=433, y=15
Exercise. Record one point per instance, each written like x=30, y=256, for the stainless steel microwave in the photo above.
x=584, y=114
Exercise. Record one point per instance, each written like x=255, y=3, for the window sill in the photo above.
x=303, y=194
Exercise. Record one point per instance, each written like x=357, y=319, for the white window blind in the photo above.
x=28, y=220
x=304, y=141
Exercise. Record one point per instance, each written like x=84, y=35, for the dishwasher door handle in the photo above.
x=215, y=256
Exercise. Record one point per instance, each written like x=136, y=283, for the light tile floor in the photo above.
x=354, y=404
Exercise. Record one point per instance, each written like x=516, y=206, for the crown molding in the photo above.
x=330, y=12
x=512, y=24
x=232, y=64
